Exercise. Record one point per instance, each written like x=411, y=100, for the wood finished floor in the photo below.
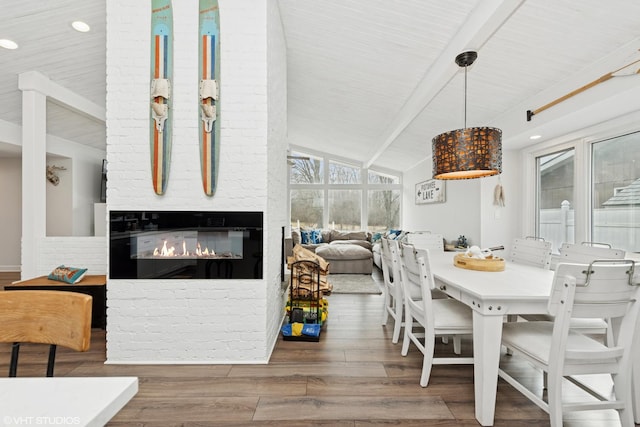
x=353, y=377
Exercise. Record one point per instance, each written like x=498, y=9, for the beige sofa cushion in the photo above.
x=364, y=243
x=349, y=235
x=343, y=252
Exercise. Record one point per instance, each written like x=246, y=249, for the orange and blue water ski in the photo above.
x=209, y=91
x=161, y=94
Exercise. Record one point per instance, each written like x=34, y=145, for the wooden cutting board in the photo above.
x=488, y=264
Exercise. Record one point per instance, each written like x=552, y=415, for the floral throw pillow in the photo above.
x=67, y=274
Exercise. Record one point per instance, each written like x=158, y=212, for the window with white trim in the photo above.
x=588, y=191
x=335, y=193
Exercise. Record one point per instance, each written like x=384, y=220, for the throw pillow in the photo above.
x=67, y=274
x=305, y=236
x=393, y=234
x=316, y=236
x=311, y=236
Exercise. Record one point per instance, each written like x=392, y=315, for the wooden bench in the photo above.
x=94, y=285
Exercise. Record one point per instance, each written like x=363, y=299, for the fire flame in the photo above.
x=206, y=252
x=170, y=252
x=164, y=251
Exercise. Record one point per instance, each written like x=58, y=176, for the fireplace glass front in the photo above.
x=185, y=245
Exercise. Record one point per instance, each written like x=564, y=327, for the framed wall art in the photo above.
x=430, y=191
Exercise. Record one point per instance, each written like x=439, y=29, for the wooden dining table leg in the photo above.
x=487, y=336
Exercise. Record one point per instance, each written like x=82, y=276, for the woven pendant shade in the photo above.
x=467, y=153
x=470, y=152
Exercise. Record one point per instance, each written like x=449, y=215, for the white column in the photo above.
x=34, y=163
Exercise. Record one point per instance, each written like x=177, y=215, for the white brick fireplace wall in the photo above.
x=199, y=321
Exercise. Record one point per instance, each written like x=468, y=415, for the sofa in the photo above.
x=347, y=252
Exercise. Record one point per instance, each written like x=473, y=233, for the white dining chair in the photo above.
x=531, y=251
x=393, y=299
x=427, y=318
x=584, y=254
x=602, y=289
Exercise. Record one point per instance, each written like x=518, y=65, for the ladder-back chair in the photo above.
x=436, y=317
x=584, y=254
x=531, y=251
x=393, y=299
x=601, y=289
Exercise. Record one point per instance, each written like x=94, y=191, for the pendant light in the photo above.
x=470, y=152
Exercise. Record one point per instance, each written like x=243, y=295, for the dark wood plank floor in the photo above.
x=353, y=377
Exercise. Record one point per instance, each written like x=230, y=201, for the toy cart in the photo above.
x=306, y=307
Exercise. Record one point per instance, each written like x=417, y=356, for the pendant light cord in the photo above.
x=465, y=96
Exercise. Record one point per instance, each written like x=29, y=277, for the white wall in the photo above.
x=197, y=321
x=69, y=205
x=500, y=225
x=84, y=172
x=277, y=203
x=459, y=215
x=83, y=252
x=469, y=208
x=60, y=199
x=10, y=213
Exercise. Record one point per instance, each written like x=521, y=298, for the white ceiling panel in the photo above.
x=376, y=80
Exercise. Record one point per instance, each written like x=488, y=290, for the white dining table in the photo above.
x=519, y=289
x=77, y=401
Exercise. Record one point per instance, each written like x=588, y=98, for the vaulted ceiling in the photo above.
x=376, y=80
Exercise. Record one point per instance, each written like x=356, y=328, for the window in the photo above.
x=615, y=192
x=340, y=173
x=331, y=193
x=306, y=169
x=344, y=209
x=306, y=208
x=555, y=198
x=381, y=178
x=586, y=190
x=384, y=210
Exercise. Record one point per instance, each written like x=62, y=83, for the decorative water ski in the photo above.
x=209, y=99
x=161, y=77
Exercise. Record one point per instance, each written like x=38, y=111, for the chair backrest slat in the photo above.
x=605, y=293
x=46, y=317
x=574, y=253
x=533, y=252
x=413, y=274
x=389, y=261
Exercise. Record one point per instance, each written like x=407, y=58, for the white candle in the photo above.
x=298, y=224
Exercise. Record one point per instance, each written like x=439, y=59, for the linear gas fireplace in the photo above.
x=185, y=245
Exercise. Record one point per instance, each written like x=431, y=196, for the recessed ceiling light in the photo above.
x=80, y=26
x=8, y=44
x=535, y=137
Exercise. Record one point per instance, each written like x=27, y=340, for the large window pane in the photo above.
x=344, y=209
x=615, y=195
x=556, y=197
x=341, y=173
x=384, y=210
x=382, y=178
x=306, y=169
x=306, y=208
